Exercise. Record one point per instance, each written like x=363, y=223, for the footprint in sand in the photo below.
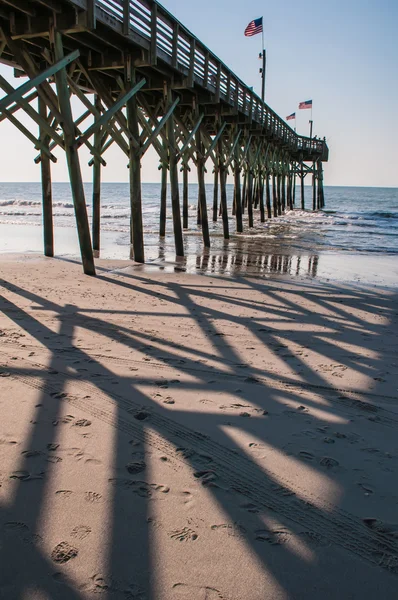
x=26, y=475
x=63, y=552
x=136, y=467
x=64, y=493
x=80, y=532
x=275, y=537
x=183, y=591
x=184, y=535
x=232, y=529
x=379, y=526
x=92, y=497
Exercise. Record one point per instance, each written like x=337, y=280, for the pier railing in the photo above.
x=152, y=27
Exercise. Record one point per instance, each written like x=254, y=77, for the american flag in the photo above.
x=306, y=104
x=292, y=116
x=254, y=27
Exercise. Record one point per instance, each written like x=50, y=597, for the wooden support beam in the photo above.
x=185, y=170
x=73, y=162
x=155, y=133
x=261, y=195
x=283, y=183
x=268, y=196
x=136, y=224
x=154, y=29
x=127, y=7
x=215, y=195
x=215, y=141
x=302, y=188
x=48, y=231
x=250, y=198
x=279, y=189
x=91, y=14
x=238, y=197
x=97, y=183
x=24, y=103
x=200, y=164
x=175, y=195
x=110, y=112
x=17, y=94
x=13, y=109
x=21, y=6
x=314, y=196
x=223, y=186
x=274, y=195
x=38, y=144
x=189, y=137
x=163, y=199
x=109, y=126
x=243, y=188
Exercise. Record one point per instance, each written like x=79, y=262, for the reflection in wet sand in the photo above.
x=241, y=256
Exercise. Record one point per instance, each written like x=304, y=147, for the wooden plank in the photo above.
x=91, y=14
x=154, y=30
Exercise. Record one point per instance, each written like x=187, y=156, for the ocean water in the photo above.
x=355, y=221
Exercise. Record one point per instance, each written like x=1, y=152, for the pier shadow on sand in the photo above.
x=308, y=544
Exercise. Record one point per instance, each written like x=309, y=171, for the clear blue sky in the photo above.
x=343, y=55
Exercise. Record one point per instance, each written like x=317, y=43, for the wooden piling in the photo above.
x=96, y=225
x=174, y=191
x=243, y=200
x=48, y=231
x=274, y=195
x=283, y=183
x=314, y=195
x=163, y=201
x=185, y=197
x=302, y=188
x=202, y=204
x=72, y=157
x=250, y=199
x=223, y=200
x=261, y=196
x=215, y=195
x=268, y=196
x=136, y=224
x=238, y=198
x=279, y=194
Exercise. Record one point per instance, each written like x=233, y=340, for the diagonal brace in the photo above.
x=110, y=112
x=36, y=81
x=160, y=126
x=215, y=140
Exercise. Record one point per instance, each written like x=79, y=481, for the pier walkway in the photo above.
x=146, y=81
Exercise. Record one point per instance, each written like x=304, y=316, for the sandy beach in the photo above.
x=176, y=436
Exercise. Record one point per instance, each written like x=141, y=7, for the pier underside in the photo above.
x=145, y=81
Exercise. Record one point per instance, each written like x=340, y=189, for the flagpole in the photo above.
x=263, y=70
x=311, y=122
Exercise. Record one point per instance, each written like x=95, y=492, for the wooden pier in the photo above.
x=146, y=81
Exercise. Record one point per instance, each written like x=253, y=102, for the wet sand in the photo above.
x=170, y=436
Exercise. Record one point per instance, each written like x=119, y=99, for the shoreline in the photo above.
x=241, y=256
